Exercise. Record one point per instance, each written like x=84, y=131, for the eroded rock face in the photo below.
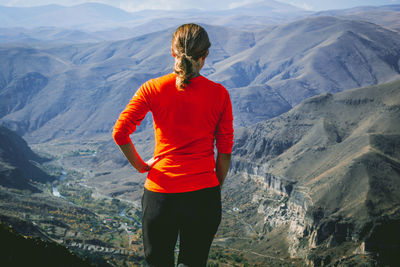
x=336, y=180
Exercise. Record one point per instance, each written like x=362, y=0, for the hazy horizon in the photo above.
x=135, y=5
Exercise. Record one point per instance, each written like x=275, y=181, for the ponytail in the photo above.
x=189, y=43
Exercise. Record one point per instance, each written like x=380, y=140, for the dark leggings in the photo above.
x=194, y=215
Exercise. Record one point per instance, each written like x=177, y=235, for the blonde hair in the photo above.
x=189, y=43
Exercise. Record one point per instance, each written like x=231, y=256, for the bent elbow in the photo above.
x=120, y=138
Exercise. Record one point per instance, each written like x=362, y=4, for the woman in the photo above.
x=182, y=189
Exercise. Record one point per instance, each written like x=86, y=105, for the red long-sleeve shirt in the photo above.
x=186, y=124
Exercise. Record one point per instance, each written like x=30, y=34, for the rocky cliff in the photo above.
x=329, y=171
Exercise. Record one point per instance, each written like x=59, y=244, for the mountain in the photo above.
x=264, y=6
x=87, y=15
x=316, y=55
x=326, y=175
x=386, y=16
x=18, y=164
x=43, y=35
x=257, y=103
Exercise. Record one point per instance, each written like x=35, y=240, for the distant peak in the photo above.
x=267, y=4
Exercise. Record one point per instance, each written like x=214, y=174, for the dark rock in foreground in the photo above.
x=25, y=251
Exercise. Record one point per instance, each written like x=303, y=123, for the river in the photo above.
x=55, y=192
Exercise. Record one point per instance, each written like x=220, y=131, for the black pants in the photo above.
x=194, y=215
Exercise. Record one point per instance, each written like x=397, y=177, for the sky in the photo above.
x=136, y=5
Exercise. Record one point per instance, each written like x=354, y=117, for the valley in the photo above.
x=108, y=224
x=70, y=212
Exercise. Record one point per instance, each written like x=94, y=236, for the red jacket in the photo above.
x=186, y=124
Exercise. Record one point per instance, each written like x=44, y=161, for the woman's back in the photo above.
x=186, y=123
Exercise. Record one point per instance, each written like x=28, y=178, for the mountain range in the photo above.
x=95, y=16
x=387, y=16
x=99, y=22
x=61, y=16
x=285, y=64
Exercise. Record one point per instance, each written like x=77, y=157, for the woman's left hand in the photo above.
x=135, y=160
x=149, y=164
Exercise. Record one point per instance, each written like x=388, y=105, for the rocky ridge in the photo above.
x=19, y=165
